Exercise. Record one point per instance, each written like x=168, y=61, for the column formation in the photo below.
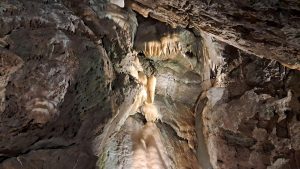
x=148, y=108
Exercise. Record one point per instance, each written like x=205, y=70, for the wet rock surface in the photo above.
x=72, y=96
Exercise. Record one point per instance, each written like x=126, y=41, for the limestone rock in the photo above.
x=267, y=29
x=75, y=76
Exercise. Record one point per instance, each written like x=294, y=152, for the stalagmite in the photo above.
x=139, y=160
x=148, y=149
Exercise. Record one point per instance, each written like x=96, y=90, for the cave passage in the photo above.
x=181, y=84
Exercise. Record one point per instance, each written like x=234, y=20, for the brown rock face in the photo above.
x=144, y=84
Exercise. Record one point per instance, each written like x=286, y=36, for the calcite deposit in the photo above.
x=145, y=84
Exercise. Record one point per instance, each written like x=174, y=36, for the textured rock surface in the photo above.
x=251, y=114
x=73, y=88
x=265, y=28
x=10, y=63
x=49, y=97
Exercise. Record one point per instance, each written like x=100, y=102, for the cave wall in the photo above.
x=71, y=96
x=250, y=114
x=267, y=28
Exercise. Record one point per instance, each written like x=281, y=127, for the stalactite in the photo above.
x=151, y=84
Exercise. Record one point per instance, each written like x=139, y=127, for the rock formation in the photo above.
x=110, y=84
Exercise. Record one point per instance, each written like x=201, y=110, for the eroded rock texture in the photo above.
x=250, y=114
x=265, y=28
x=149, y=84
